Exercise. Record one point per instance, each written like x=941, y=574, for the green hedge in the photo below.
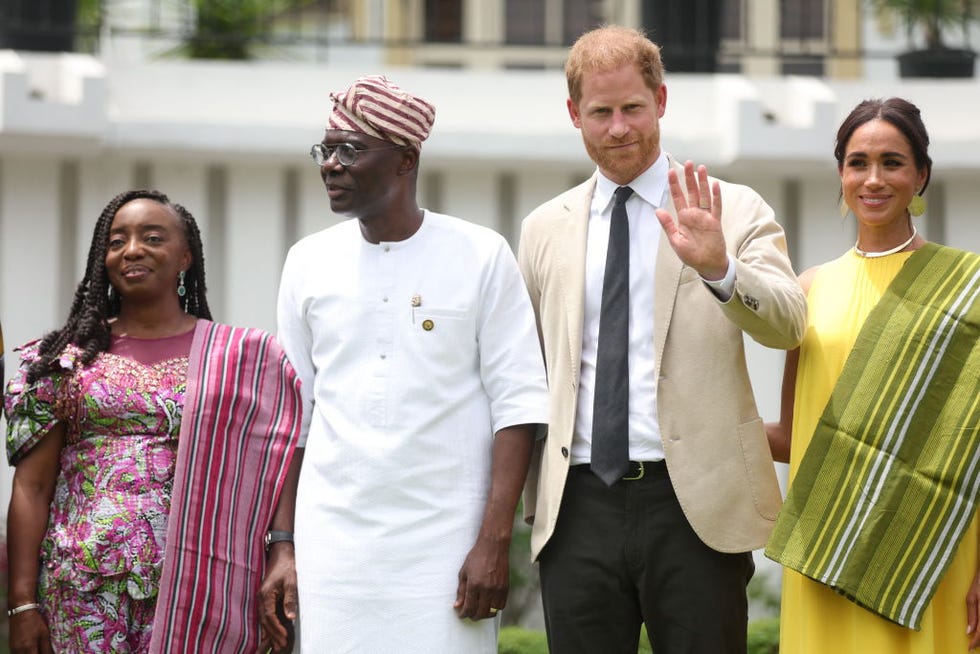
x=763, y=638
x=516, y=640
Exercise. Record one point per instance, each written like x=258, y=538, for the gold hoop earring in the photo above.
x=843, y=208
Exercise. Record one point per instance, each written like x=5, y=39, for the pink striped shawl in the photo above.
x=241, y=420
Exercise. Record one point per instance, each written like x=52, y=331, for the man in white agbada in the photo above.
x=423, y=379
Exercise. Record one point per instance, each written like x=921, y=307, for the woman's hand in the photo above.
x=973, y=612
x=27, y=518
x=29, y=634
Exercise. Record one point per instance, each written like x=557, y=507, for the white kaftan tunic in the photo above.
x=412, y=355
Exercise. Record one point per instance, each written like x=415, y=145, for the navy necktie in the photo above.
x=610, y=414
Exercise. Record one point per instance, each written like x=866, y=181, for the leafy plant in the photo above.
x=516, y=640
x=88, y=22
x=763, y=637
x=935, y=18
x=227, y=29
x=232, y=29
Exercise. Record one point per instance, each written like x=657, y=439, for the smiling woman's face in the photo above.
x=878, y=174
x=147, y=249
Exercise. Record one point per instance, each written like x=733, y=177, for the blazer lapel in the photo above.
x=572, y=239
x=667, y=279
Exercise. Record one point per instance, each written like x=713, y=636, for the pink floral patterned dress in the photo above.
x=108, y=520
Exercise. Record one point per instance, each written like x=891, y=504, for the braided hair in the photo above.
x=96, y=301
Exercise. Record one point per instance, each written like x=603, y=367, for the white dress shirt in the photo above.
x=649, y=191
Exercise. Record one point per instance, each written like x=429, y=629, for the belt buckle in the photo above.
x=639, y=475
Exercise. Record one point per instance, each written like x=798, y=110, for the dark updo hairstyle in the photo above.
x=96, y=301
x=903, y=115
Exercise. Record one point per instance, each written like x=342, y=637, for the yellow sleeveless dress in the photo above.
x=814, y=618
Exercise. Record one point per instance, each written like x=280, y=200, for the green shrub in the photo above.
x=517, y=640
x=763, y=638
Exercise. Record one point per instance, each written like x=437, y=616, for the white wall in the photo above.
x=223, y=138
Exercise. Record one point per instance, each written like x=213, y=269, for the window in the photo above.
x=801, y=19
x=580, y=16
x=802, y=26
x=688, y=32
x=47, y=26
x=524, y=22
x=732, y=17
x=444, y=21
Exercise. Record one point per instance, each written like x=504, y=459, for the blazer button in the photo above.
x=564, y=452
x=751, y=302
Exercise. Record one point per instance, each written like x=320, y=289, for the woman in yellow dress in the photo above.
x=858, y=450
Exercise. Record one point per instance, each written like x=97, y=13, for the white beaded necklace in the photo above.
x=885, y=253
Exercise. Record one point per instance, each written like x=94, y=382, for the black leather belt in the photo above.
x=637, y=469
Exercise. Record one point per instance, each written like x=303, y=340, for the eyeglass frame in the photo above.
x=328, y=152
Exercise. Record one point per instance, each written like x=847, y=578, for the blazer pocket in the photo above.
x=759, y=468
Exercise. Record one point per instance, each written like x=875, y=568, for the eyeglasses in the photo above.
x=346, y=152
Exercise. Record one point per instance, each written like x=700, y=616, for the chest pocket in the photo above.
x=445, y=337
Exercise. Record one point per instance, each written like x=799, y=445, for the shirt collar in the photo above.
x=650, y=185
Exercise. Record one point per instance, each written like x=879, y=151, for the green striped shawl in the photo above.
x=890, y=481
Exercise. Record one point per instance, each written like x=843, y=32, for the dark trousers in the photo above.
x=625, y=555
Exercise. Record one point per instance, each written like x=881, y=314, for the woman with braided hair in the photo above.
x=150, y=447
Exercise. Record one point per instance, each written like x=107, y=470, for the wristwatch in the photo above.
x=277, y=537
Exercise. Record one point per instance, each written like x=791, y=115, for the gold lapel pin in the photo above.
x=416, y=302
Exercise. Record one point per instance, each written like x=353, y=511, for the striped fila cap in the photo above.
x=375, y=106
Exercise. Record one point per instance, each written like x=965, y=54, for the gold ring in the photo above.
x=706, y=207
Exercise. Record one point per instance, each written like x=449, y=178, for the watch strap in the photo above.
x=274, y=536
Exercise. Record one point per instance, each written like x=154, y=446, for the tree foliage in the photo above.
x=934, y=18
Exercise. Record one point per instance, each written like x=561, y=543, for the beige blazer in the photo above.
x=713, y=437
